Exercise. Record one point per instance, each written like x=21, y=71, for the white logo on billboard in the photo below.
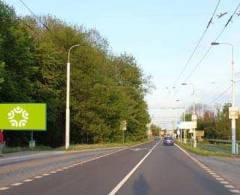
x=18, y=117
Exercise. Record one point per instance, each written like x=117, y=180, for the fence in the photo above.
x=218, y=145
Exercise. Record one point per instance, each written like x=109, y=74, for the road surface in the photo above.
x=147, y=169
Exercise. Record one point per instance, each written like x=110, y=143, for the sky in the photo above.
x=161, y=35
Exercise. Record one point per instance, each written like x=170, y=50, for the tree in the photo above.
x=105, y=89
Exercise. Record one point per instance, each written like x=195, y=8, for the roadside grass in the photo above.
x=7, y=149
x=207, y=149
x=77, y=147
x=80, y=147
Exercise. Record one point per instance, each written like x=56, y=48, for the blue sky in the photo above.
x=161, y=35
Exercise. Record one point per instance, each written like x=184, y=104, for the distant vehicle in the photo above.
x=168, y=141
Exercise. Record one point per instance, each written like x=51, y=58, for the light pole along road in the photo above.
x=67, y=128
x=232, y=108
x=194, y=116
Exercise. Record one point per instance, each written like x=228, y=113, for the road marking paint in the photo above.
x=124, y=180
x=224, y=182
x=209, y=171
x=214, y=175
x=219, y=179
x=79, y=163
x=16, y=184
x=38, y=177
x=235, y=191
x=4, y=188
x=27, y=180
x=229, y=186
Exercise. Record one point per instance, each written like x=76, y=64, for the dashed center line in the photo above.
x=38, y=177
x=17, y=184
x=229, y=186
x=27, y=180
x=224, y=182
x=4, y=188
x=235, y=191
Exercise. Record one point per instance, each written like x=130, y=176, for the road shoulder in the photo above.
x=225, y=167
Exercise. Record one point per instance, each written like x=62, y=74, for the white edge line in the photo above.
x=210, y=172
x=123, y=181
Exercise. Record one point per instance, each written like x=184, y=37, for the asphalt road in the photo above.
x=150, y=169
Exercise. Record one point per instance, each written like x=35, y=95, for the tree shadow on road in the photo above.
x=140, y=186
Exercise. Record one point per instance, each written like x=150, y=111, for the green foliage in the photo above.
x=105, y=89
x=155, y=130
x=218, y=126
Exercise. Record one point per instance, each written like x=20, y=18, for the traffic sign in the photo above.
x=123, y=125
x=194, y=117
x=233, y=113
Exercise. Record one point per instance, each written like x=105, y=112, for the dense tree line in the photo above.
x=155, y=129
x=216, y=125
x=105, y=89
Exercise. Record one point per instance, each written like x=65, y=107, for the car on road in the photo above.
x=168, y=141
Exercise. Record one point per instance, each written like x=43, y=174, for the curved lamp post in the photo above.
x=67, y=122
x=233, y=119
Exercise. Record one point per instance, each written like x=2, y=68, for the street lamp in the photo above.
x=178, y=100
x=194, y=116
x=67, y=122
x=232, y=108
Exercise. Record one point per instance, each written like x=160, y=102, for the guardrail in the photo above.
x=221, y=141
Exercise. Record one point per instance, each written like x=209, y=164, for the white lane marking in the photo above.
x=235, y=191
x=4, y=188
x=216, y=176
x=224, y=182
x=79, y=163
x=124, y=180
x=229, y=186
x=16, y=184
x=38, y=177
x=27, y=180
x=28, y=156
x=219, y=179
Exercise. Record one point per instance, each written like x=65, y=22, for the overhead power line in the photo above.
x=210, y=47
x=220, y=95
x=198, y=43
x=38, y=19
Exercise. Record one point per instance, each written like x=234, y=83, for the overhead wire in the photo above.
x=198, y=43
x=38, y=19
x=220, y=95
x=210, y=47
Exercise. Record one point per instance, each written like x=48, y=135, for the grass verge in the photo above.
x=80, y=147
x=203, y=152
x=77, y=147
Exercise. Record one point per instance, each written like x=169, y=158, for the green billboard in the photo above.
x=23, y=116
